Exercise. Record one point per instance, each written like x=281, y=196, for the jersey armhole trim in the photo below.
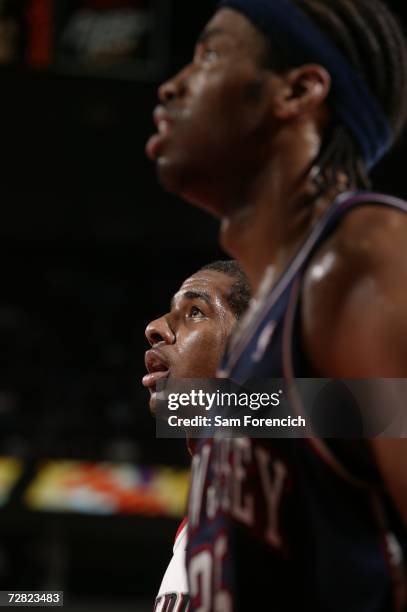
x=317, y=444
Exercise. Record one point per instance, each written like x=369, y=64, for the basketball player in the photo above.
x=188, y=342
x=274, y=128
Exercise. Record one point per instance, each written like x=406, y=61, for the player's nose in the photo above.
x=172, y=88
x=159, y=331
x=167, y=91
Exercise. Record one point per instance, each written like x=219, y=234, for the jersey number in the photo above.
x=206, y=581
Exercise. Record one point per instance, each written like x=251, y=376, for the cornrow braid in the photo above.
x=370, y=37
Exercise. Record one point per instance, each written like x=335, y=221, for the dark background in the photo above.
x=91, y=249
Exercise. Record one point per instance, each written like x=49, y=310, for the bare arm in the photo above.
x=354, y=317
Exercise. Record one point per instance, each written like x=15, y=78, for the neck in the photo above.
x=280, y=209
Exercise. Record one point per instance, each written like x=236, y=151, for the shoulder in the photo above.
x=354, y=296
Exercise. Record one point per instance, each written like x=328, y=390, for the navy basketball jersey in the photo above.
x=295, y=524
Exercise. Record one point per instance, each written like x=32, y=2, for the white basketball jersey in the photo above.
x=173, y=593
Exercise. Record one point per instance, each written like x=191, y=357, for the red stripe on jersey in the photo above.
x=180, y=528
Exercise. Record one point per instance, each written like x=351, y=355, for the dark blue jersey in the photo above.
x=295, y=524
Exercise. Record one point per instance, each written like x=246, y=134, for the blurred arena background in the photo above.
x=91, y=250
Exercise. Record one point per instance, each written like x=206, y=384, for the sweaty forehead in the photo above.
x=216, y=286
x=235, y=27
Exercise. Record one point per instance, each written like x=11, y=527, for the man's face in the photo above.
x=213, y=122
x=188, y=341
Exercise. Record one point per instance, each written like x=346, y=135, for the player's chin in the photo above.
x=185, y=177
x=172, y=174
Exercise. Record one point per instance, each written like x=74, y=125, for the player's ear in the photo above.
x=302, y=90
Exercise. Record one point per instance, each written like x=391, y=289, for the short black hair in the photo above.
x=240, y=293
x=372, y=40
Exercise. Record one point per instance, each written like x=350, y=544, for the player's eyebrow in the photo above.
x=194, y=295
x=206, y=35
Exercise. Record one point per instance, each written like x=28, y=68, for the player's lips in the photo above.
x=157, y=367
x=164, y=122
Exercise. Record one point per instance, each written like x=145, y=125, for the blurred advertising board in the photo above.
x=10, y=472
x=107, y=488
x=126, y=39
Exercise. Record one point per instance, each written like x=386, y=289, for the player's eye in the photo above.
x=210, y=55
x=207, y=55
x=195, y=313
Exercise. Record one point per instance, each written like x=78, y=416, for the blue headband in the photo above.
x=350, y=97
